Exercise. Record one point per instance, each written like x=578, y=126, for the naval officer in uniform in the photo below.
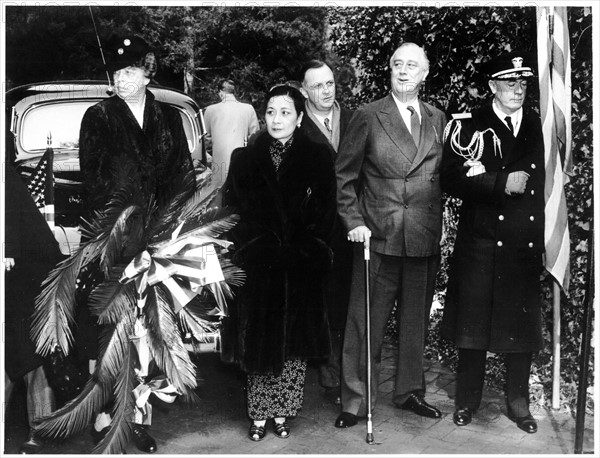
x=494, y=161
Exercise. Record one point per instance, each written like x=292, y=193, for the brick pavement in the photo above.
x=218, y=425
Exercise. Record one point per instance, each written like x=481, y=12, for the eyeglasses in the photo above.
x=321, y=86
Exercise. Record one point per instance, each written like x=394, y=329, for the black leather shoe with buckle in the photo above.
x=526, y=423
x=346, y=420
x=417, y=404
x=463, y=416
x=142, y=440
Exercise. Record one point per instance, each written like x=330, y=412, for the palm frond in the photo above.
x=166, y=218
x=113, y=347
x=55, y=305
x=114, y=238
x=111, y=299
x=214, y=228
x=166, y=345
x=107, y=231
x=77, y=413
x=193, y=323
x=117, y=438
x=197, y=203
x=233, y=275
x=208, y=232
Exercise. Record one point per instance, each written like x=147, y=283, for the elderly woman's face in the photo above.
x=130, y=83
x=281, y=118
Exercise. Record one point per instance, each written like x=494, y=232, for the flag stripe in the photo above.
x=555, y=110
x=561, y=85
x=41, y=185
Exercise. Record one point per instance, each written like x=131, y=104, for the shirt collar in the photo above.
x=228, y=98
x=515, y=118
x=403, y=106
x=320, y=117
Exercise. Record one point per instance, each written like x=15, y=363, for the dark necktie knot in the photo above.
x=509, y=124
x=327, y=125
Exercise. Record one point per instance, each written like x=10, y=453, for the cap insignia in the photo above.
x=517, y=62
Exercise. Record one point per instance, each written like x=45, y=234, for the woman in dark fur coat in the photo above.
x=128, y=139
x=283, y=187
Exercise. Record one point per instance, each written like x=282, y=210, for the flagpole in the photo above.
x=556, y=345
x=49, y=200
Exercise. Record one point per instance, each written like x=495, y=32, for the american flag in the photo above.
x=554, y=63
x=41, y=184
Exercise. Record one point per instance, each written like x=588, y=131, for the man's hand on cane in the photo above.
x=360, y=234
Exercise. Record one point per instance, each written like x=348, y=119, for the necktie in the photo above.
x=326, y=122
x=509, y=124
x=415, y=125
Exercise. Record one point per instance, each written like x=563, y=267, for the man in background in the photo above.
x=325, y=122
x=229, y=123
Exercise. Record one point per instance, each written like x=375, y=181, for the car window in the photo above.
x=63, y=120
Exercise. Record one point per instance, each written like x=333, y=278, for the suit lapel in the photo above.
x=394, y=126
x=427, y=138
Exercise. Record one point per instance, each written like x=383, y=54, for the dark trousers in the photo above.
x=407, y=282
x=471, y=373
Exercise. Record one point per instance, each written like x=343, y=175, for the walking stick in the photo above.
x=367, y=256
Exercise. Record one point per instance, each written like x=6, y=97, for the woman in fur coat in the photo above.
x=283, y=187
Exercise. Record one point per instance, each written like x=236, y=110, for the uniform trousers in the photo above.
x=471, y=373
x=408, y=282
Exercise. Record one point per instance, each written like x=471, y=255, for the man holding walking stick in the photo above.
x=389, y=197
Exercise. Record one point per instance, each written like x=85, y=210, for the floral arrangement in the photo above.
x=165, y=280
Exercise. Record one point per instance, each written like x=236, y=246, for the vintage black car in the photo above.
x=37, y=113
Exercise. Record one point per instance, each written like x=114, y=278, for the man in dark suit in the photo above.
x=494, y=161
x=389, y=197
x=325, y=122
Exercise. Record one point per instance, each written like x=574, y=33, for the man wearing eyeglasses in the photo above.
x=494, y=161
x=325, y=122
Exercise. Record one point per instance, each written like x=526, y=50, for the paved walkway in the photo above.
x=218, y=425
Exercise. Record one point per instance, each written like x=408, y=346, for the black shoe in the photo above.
x=346, y=420
x=32, y=446
x=417, y=404
x=257, y=433
x=142, y=440
x=463, y=416
x=97, y=436
x=526, y=423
